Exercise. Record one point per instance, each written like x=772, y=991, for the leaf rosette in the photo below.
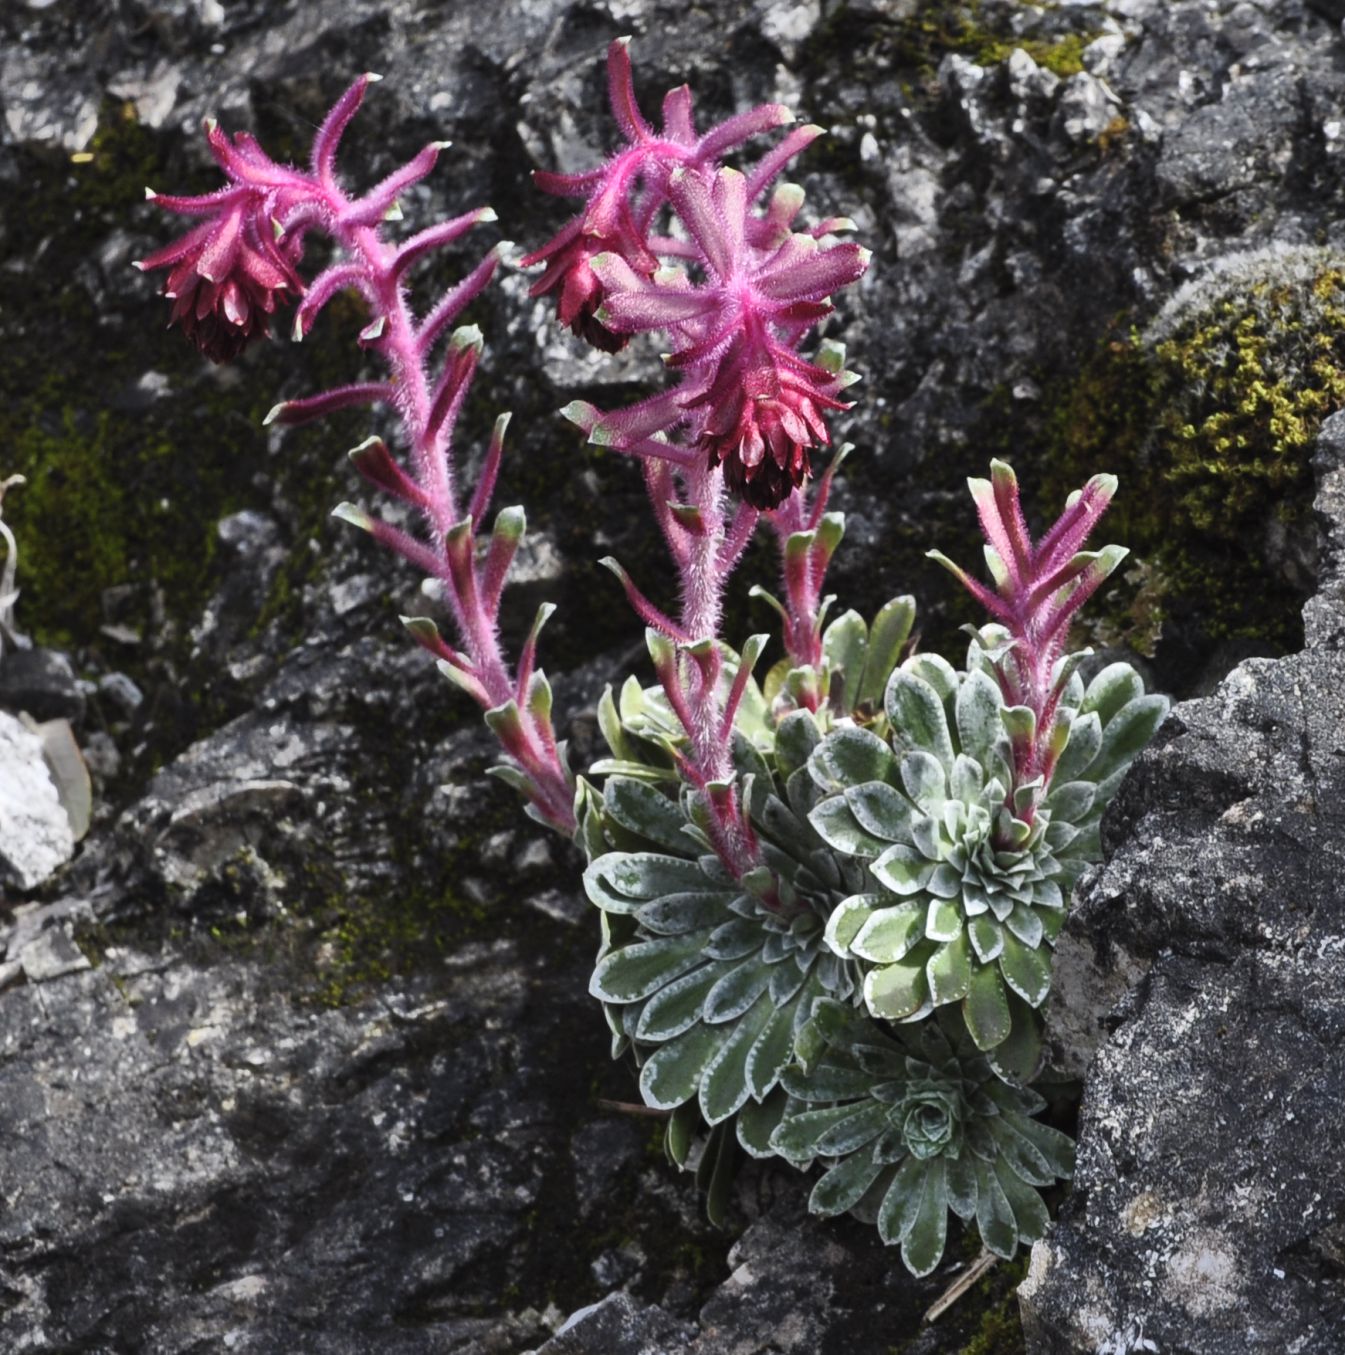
x=969, y=874
x=709, y=979
x=914, y=1126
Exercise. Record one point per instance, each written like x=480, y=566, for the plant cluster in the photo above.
x=828, y=900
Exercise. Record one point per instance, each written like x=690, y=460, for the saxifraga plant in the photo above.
x=827, y=904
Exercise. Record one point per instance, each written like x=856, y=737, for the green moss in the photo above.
x=1000, y=1329
x=984, y=34
x=1208, y=420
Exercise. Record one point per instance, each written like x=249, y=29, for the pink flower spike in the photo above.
x=446, y=402
x=1075, y=524
x=292, y=413
x=334, y=125
x=375, y=204
x=566, y=185
x=331, y=281
x=644, y=609
x=677, y=123
x=373, y=461
x=435, y=237
x=458, y=298
x=621, y=93
x=226, y=280
x=779, y=156
x=736, y=130
x=490, y=469
x=206, y=204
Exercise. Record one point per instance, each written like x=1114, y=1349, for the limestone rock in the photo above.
x=35, y=833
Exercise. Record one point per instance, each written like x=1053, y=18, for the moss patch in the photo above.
x=1209, y=420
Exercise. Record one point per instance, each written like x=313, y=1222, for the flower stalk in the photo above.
x=673, y=241
x=229, y=274
x=1038, y=588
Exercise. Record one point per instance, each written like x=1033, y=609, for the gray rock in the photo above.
x=41, y=683
x=618, y=1326
x=35, y=834
x=1206, y=1201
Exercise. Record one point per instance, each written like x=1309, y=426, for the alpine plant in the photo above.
x=979, y=808
x=827, y=900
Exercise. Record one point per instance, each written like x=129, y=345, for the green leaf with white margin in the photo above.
x=903, y=869
x=640, y=808
x=1055, y=1147
x=635, y=972
x=756, y=1123
x=980, y=731
x=1115, y=686
x=901, y=1203
x=1085, y=738
x=678, y=1005
x=674, y=914
x=868, y=1120
x=887, y=636
x=960, y=1184
x=917, y=717
x=772, y=1052
x=724, y=1086
x=881, y=810
x=621, y=882
x=795, y=738
x=986, y=1008
x=925, y=780
x=678, y=1138
x=674, y=1070
x=936, y=671
x=949, y=971
x=845, y=642
x=944, y=920
x=987, y=937
x=995, y=1218
x=609, y=722
x=797, y=1137
x=1031, y=1219
x=843, y=1186
x=828, y=1082
x=849, y=756
x=1027, y=971
x=1126, y=735
x=847, y=920
x=1017, y=1059
x=922, y=1248
x=737, y=991
x=899, y=991
x=835, y=823
x=1020, y=1153
x=1071, y=800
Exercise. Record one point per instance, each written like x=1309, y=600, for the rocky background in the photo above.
x=295, y=1052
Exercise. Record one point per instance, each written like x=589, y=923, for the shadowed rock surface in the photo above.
x=296, y=1055
x=1208, y=1198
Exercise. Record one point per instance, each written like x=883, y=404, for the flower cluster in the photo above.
x=734, y=290
x=227, y=276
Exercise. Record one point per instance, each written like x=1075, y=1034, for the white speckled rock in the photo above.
x=35, y=834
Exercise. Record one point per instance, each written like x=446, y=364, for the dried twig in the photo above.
x=960, y=1285
x=630, y=1108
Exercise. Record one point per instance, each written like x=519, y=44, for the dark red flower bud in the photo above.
x=227, y=276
